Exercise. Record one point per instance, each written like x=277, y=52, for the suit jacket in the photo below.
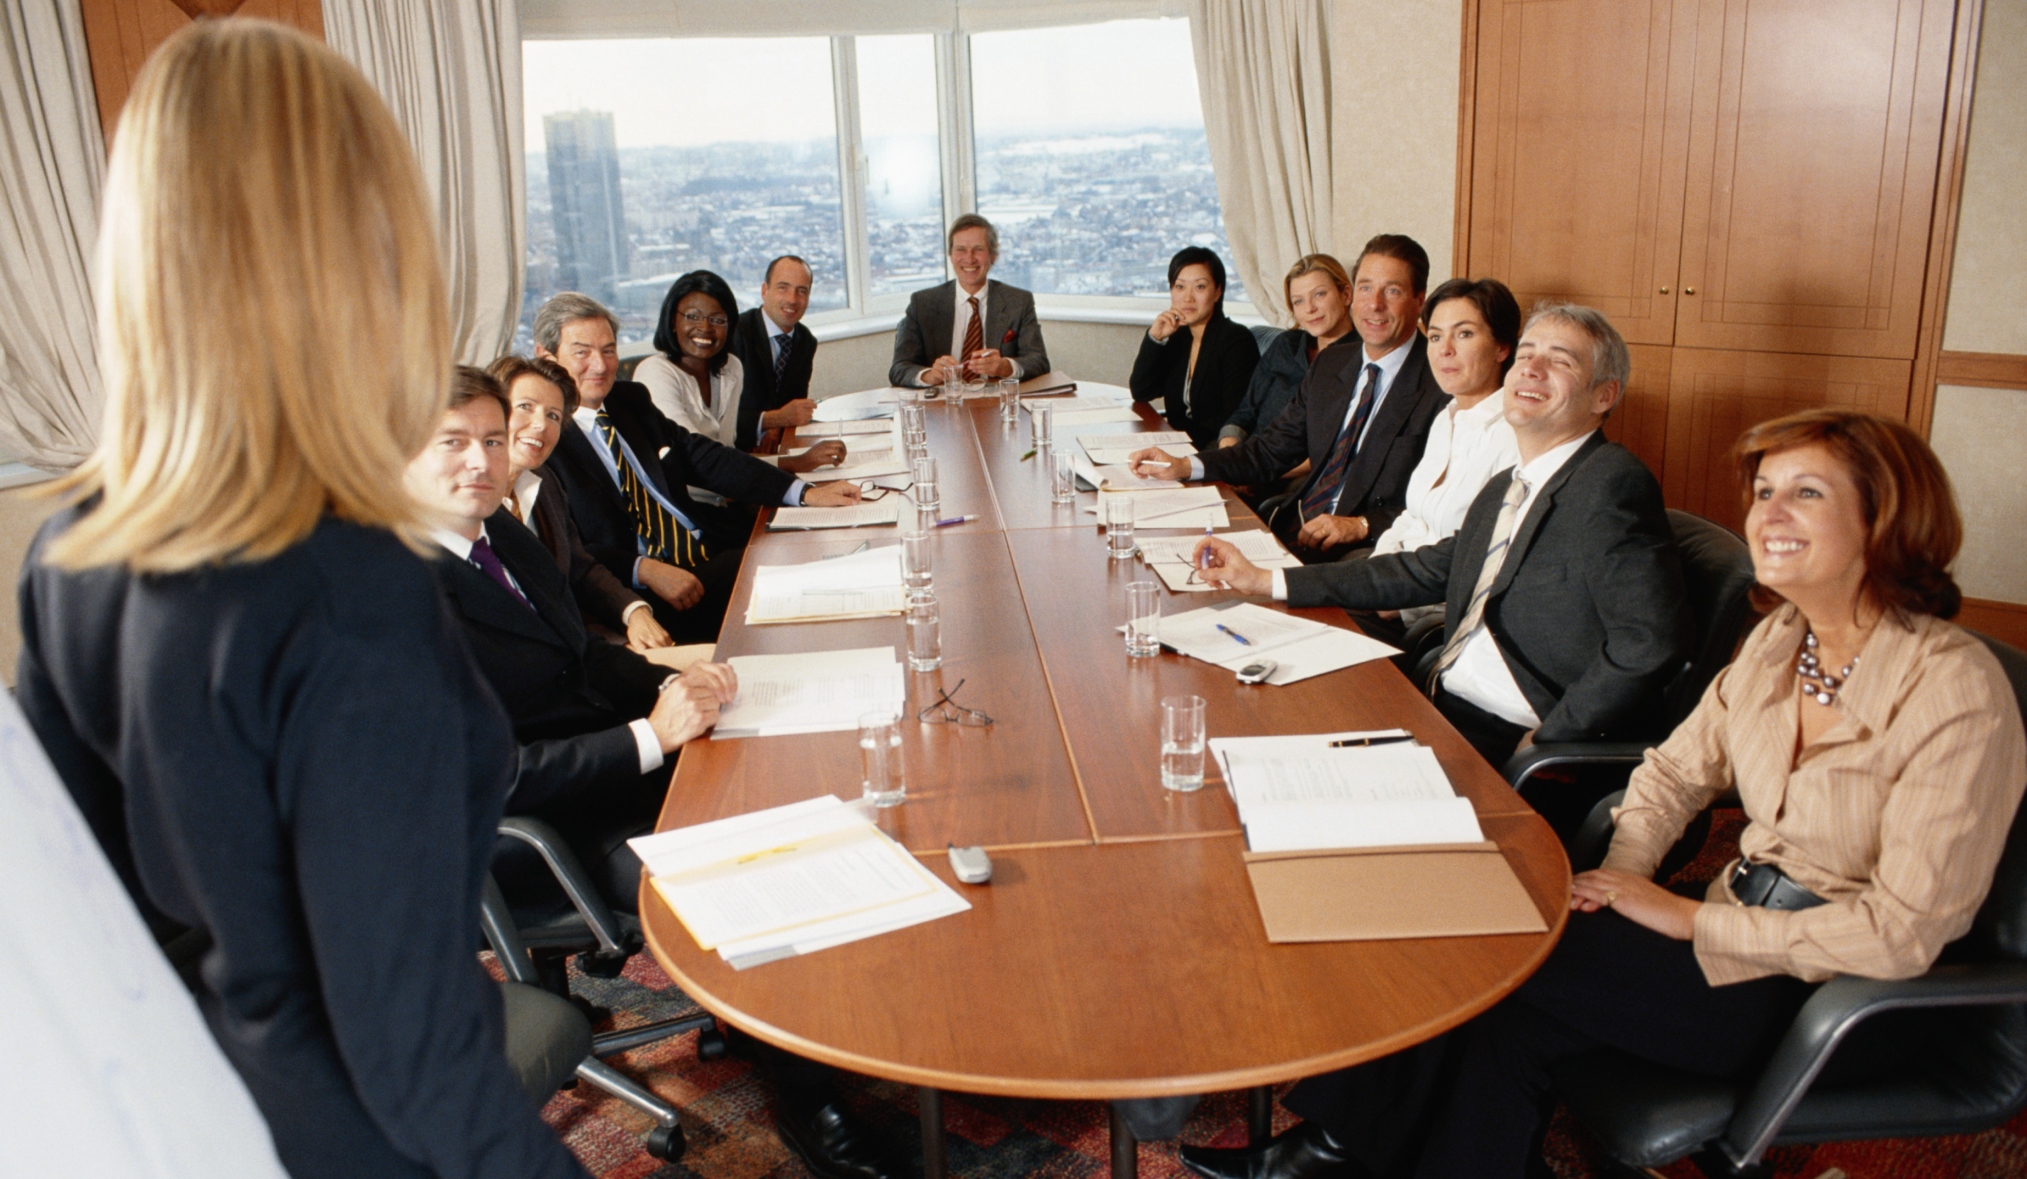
x=691, y=460
x=570, y=696
x=296, y=756
x=1010, y=326
x=1376, y=482
x=602, y=597
x=1224, y=365
x=751, y=343
x=1588, y=609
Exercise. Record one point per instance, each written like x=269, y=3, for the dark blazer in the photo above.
x=691, y=460
x=602, y=597
x=754, y=347
x=1588, y=609
x=925, y=330
x=569, y=695
x=1283, y=364
x=297, y=756
x=1224, y=365
x=1376, y=483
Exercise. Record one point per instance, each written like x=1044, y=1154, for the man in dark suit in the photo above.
x=777, y=352
x=1361, y=417
x=970, y=325
x=627, y=469
x=1566, y=616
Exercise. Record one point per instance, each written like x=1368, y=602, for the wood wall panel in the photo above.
x=1640, y=423
x=1989, y=370
x=1715, y=395
x=1577, y=167
x=2004, y=621
x=1812, y=172
x=120, y=34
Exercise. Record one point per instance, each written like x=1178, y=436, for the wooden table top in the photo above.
x=1118, y=951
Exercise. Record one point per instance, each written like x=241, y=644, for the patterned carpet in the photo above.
x=731, y=1134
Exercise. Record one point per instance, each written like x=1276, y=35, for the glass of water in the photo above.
x=915, y=573
x=1009, y=399
x=883, y=769
x=1182, y=743
x=927, y=496
x=1118, y=524
x=953, y=386
x=1062, y=478
x=925, y=632
x=1042, y=419
x=1143, y=619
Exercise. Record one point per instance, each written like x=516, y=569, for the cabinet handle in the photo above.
x=1688, y=290
x=1664, y=290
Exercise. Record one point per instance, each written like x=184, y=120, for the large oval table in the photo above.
x=1118, y=951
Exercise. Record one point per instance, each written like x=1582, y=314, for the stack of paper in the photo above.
x=858, y=585
x=790, y=880
x=883, y=511
x=1304, y=793
x=1169, y=557
x=819, y=430
x=1236, y=634
x=869, y=403
x=1117, y=448
x=817, y=692
x=1116, y=477
x=1180, y=507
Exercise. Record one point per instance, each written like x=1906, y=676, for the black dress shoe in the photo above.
x=834, y=1145
x=1303, y=1152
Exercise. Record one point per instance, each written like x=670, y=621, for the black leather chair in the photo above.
x=1958, y=1035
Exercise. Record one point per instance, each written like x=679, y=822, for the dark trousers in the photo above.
x=1495, y=738
x=700, y=623
x=1474, y=1103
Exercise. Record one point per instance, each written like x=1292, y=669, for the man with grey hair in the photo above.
x=1566, y=613
x=969, y=327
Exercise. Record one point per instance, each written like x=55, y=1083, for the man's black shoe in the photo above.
x=834, y=1145
x=1302, y=1152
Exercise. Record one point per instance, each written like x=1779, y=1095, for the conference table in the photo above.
x=1117, y=951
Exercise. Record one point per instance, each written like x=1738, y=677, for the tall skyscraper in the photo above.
x=591, y=247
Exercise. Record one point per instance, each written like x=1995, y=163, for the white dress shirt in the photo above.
x=1465, y=449
x=1389, y=367
x=961, y=321
x=780, y=339
x=645, y=743
x=526, y=488
x=677, y=394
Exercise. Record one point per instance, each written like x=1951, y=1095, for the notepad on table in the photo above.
x=813, y=692
x=819, y=429
x=1105, y=449
x=1086, y=417
x=867, y=403
x=857, y=585
x=1234, y=635
x=886, y=511
x=1115, y=477
x=1170, y=557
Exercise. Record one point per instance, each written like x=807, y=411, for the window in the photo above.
x=651, y=157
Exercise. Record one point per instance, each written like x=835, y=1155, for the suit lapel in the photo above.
x=534, y=567
x=489, y=604
x=998, y=315
x=575, y=448
x=1544, y=503
x=1393, y=414
x=1326, y=421
x=940, y=320
x=630, y=420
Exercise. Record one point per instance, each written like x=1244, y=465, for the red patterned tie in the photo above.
x=1322, y=495
x=974, y=333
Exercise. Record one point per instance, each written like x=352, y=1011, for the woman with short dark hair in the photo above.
x=1202, y=383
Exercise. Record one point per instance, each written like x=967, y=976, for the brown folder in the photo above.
x=1375, y=893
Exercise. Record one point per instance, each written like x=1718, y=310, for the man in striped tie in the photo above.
x=1566, y=615
x=971, y=327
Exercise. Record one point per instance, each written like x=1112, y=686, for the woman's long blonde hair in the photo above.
x=272, y=320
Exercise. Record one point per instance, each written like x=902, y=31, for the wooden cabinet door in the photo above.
x=1579, y=142
x=1815, y=132
x=1640, y=421
x=1714, y=396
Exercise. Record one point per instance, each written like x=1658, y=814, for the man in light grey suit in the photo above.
x=969, y=326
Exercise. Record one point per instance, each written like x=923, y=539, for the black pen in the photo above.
x=1351, y=742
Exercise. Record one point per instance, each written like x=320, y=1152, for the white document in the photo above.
x=857, y=585
x=816, y=692
x=869, y=403
x=1160, y=502
x=1300, y=793
x=1257, y=545
x=1247, y=629
x=881, y=466
x=1380, y=824
x=1332, y=650
x=818, y=430
x=881, y=511
x=1086, y=417
x=1116, y=477
x=822, y=935
x=1102, y=447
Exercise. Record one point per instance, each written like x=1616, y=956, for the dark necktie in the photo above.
x=1323, y=493
x=782, y=344
x=974, y=333
x=666, y=538
x=488, y=562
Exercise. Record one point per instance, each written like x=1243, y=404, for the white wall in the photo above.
x=1393, y=123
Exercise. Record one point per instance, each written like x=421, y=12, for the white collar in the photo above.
x=1486, y=412
x=1545, y=465
x=585, y=416
x=1389, y=365
x=459, y=546
x=773, y=328
x=962, y=296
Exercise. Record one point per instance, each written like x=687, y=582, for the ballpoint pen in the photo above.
x=1361, y=742
x=945, y=523
x=1235, y=634
x=1203, y=560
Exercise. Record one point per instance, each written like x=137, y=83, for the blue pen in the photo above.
x=1235, y=634
x=1203, y=561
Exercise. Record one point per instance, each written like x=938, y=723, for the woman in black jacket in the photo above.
x=1201, y=373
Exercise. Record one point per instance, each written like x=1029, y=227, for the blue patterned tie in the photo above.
x=783, y=343
x=1323, y=493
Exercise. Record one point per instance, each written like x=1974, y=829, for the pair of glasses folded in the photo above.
x=946, y=711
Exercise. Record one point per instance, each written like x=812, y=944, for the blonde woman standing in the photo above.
x=231, y=650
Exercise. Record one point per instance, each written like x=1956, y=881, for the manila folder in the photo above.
x=1371, y=894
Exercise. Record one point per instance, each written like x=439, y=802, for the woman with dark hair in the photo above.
x=696, y=377
x=1878, y=753
x=1200, y=384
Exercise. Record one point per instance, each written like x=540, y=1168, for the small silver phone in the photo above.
x=970, y=864
x=1257, y=671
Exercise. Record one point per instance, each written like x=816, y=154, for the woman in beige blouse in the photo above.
x=1879, y=756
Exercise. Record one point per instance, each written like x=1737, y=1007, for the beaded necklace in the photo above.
x=1809, y=669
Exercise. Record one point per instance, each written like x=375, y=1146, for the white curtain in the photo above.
x=451, y=72
x=52, y=160
x=1263, y=72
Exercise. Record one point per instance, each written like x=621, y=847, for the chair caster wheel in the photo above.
x=665, y=1142
x=602, y=965
x=711, y=1044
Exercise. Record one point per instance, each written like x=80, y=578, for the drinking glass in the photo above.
x=1009, y=399
x=1042, y=419
x=1118, y=524
x=915, y=573
x=926, y=495
x=953, y=386
x=884, y=771
x=925, y=632
x=913, y=417
x=1143, y=619
x=1063, y=478
x=915, y=521
x=1182, y=743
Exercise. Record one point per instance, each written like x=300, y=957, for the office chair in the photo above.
x=1962, y=1029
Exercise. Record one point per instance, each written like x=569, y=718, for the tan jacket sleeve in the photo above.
x=1677, y=781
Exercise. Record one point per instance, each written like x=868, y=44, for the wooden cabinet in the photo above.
x=120, y=34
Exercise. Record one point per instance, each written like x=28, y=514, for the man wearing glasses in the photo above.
x=969, y=327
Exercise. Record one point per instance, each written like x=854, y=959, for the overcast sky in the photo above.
x=687, y=93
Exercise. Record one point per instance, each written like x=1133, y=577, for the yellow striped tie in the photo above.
x=666, y=538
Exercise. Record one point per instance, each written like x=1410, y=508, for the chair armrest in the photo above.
x=563, y=865
x=1838, y=1006
x=1527, y=762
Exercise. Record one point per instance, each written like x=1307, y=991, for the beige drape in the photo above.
x=52, y=159
x=451, y=72
x=1263, y=72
